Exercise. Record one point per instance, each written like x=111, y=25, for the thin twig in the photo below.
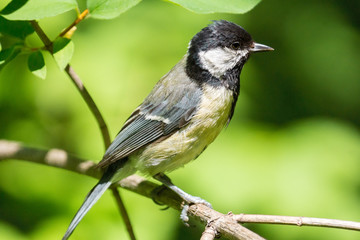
x=91, y=104
x=43, y=37
x=79, y=85
x=77, y=20
x=298, y=221
x=89, y=101
x=123, y=212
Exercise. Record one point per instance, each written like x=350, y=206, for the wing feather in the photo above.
x=161, y=114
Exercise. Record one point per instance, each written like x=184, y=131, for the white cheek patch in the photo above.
x=218, y=60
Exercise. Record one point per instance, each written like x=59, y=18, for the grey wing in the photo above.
x=170, y=106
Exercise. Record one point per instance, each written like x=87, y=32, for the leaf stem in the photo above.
x=77, y=20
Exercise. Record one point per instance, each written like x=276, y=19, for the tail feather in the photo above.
x=93, y=196
x=90, y=200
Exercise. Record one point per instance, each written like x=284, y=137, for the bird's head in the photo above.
x=222, y=46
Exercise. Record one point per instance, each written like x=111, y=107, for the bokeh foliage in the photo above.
x=292, y=148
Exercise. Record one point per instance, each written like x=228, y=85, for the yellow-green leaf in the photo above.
x=37, y=9
x=107, y=9
x=213, y=6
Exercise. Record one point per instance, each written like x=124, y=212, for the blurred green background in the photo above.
x=292, y=148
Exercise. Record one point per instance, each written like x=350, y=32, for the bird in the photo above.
x=185, y=111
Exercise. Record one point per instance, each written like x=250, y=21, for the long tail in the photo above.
x=92, y=197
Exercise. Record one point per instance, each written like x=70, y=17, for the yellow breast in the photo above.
x=186, y=144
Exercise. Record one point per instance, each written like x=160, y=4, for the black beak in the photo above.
x=257, y=47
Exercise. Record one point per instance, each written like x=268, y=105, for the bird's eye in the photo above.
x=235, y=45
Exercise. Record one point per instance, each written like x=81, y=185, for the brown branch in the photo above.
x=79, y=85
x=298, y=221
x=223, y=224
x=209, y=233
x=123, y=212
x=43, y=37
x=89, y=101
x=51, y=157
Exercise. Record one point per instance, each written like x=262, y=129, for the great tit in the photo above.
x=182, y=115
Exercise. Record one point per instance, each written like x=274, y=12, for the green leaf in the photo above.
x=37, y=9
x=4, y=3
x=13, y=6
x=19, y=29
x=8, y=54
x=36, y=64
x=107, y=9
x=63, y=49
x=213, y=6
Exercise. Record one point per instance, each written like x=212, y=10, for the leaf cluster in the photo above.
x=16, y=17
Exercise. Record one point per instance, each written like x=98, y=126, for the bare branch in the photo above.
x=298, y=221
x=51, y=157
x=209, y=233
x=86, y=96
x=79, y=85
x=91, y=104
x=223, y=224
x=42, y=35
x=123, y=212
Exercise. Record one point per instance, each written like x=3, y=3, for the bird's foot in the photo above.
x=155, y=193
x=188, y=199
